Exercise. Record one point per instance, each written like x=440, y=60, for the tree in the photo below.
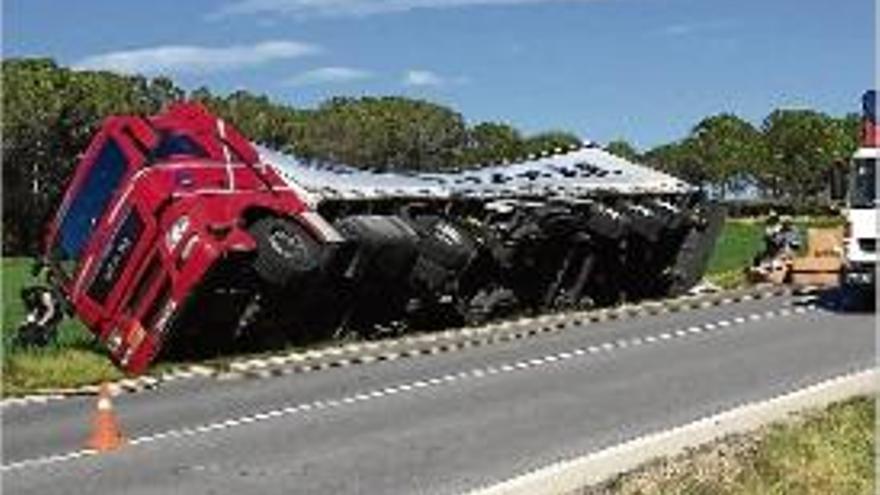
x=680, y=159
x=384, y=133
x=801, y=145
x=550, y=141
x=729, y=148
x=491, y=142
x=623, y=149
x=256, y=116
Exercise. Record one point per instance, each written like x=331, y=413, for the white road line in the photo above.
x=318, y=405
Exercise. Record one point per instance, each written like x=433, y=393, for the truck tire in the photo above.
x=387, y=247
x=286, y=253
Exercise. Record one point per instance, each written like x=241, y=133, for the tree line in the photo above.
x=51, y=112
x=786, y=158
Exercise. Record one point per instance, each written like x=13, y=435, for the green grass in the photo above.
x=828, y=451
x=742, y=239
x=73, y=359
x=30, y=371
x=736, y=246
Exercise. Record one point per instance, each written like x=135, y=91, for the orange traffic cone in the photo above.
x=106, y=434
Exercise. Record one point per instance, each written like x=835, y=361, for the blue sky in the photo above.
x=644, y=70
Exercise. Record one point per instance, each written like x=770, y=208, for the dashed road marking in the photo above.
x=280, y=365
x=393, y=390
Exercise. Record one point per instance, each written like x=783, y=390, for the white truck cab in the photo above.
x=860, y=242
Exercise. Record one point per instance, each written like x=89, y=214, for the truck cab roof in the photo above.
x=866, y=153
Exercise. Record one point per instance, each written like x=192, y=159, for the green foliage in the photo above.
x=801, y=145
x=785, y=159
x=491, y=142
x=623, y=149
x=680, y=159
x=257, y=117
x=384, y=134
x=550, y=141
x=730, y=147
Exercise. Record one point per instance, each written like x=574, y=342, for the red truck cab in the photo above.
x=153, y=206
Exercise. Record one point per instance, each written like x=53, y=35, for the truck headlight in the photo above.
x=176, y=232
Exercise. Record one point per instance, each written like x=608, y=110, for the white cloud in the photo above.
x=422, y=78
x=194, y=59
x=688, y=28
x=328, y=75
x=335, y=8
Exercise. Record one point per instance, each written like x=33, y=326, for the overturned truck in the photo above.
x=177, y=234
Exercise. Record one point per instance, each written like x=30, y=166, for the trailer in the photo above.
x=179, y=236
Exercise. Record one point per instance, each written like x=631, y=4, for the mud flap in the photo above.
x=693, y=257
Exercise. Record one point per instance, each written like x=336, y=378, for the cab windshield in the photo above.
x=864, y=185
x=89, y=205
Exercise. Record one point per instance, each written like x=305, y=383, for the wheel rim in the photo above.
x=288, y=245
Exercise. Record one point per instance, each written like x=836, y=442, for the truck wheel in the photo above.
x=285, y=251
x=856, y=298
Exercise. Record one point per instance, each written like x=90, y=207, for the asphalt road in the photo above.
x=443, y=423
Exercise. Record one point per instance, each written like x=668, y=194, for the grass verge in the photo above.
x=73, y=359
x=820, y=452
x=741, y=239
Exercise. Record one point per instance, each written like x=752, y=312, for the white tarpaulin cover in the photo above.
x=580, y=173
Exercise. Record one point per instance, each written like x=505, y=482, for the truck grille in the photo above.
x=153, y=314
x=146, y=282
x=868, y=245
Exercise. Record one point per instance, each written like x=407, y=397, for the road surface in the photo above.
x=439, y=424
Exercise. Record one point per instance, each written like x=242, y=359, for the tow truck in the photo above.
x=858, y=186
